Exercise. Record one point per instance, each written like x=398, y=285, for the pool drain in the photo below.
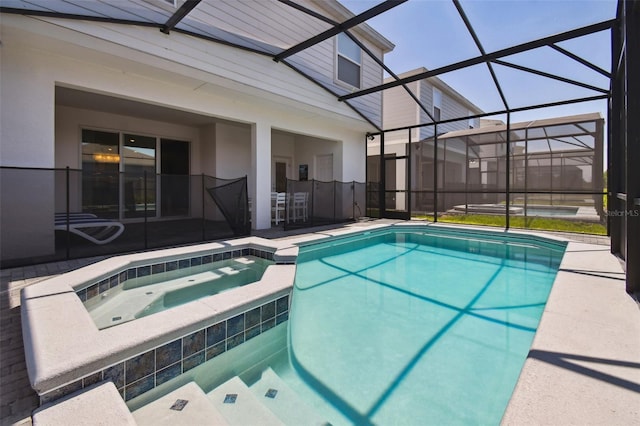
x=179, y=404
x=230, y=398
x=271, y=393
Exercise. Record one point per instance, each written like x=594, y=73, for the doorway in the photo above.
x=396, y=187
x=174, y=178
x=139, y=167
x=281, y=176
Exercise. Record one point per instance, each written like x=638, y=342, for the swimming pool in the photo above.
x=551, y=211
x=518, y=209
x=154, y=288
x=422, y=325
x=404, y=326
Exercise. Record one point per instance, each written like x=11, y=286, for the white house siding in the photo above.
x=399, y=109
x=452, y=107
x=269, y=22
x=281, y=26
x=144, y=65
x=251, y=70
x=318, y=63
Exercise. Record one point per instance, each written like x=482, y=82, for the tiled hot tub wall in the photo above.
x=143, y=372
x=91, y=290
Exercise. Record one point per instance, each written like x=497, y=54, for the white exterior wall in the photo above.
x=207, y=163
x=26, y=139
x=174, y=71
x=400, y=110
x=233, y=151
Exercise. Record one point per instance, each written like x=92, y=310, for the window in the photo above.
x=348, y=61
x=437, y=104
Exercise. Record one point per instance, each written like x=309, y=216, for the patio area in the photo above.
x=583, y=367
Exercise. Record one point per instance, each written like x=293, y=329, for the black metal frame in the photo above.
x=624, y=93
x=436, y=189
x=520, y=48
x=624, y=143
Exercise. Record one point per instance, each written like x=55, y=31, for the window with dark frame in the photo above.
x=437, y=104
x=348, y=61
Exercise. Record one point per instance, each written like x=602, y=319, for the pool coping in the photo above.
x=56, y=359
x=582, y=365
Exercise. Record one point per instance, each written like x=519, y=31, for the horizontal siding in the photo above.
x=399, y=109
x=279, y=25
x=266, y=25
x=250, y=69
x=270, y=22
x=453, y=109
x=450, y=109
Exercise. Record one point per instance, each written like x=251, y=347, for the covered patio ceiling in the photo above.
x=492, y=68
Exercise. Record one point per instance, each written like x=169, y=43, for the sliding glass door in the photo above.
x=174, y=178
x=139, y=179
x=100, y=173
x=128, y=176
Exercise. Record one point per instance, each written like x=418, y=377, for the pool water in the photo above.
x=411, y=326
x=552, y=211
x=148, y=295
x=407, y=328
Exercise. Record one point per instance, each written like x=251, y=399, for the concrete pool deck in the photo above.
x=583, y=368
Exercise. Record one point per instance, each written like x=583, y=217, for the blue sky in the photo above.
x=430, y=33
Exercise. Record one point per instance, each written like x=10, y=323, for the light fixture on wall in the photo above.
x=106, y=158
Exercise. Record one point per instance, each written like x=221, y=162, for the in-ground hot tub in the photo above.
x=146, y=289
x=66, y=350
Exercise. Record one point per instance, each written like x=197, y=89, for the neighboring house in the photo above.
x=562, y=155
x=438, y=102
x=118, y=94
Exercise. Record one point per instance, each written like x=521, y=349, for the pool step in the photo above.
x=187, y=405
x=276, y=395
x=235, y=401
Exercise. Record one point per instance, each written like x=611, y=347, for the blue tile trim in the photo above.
x=94, y=289
x=141, y=373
